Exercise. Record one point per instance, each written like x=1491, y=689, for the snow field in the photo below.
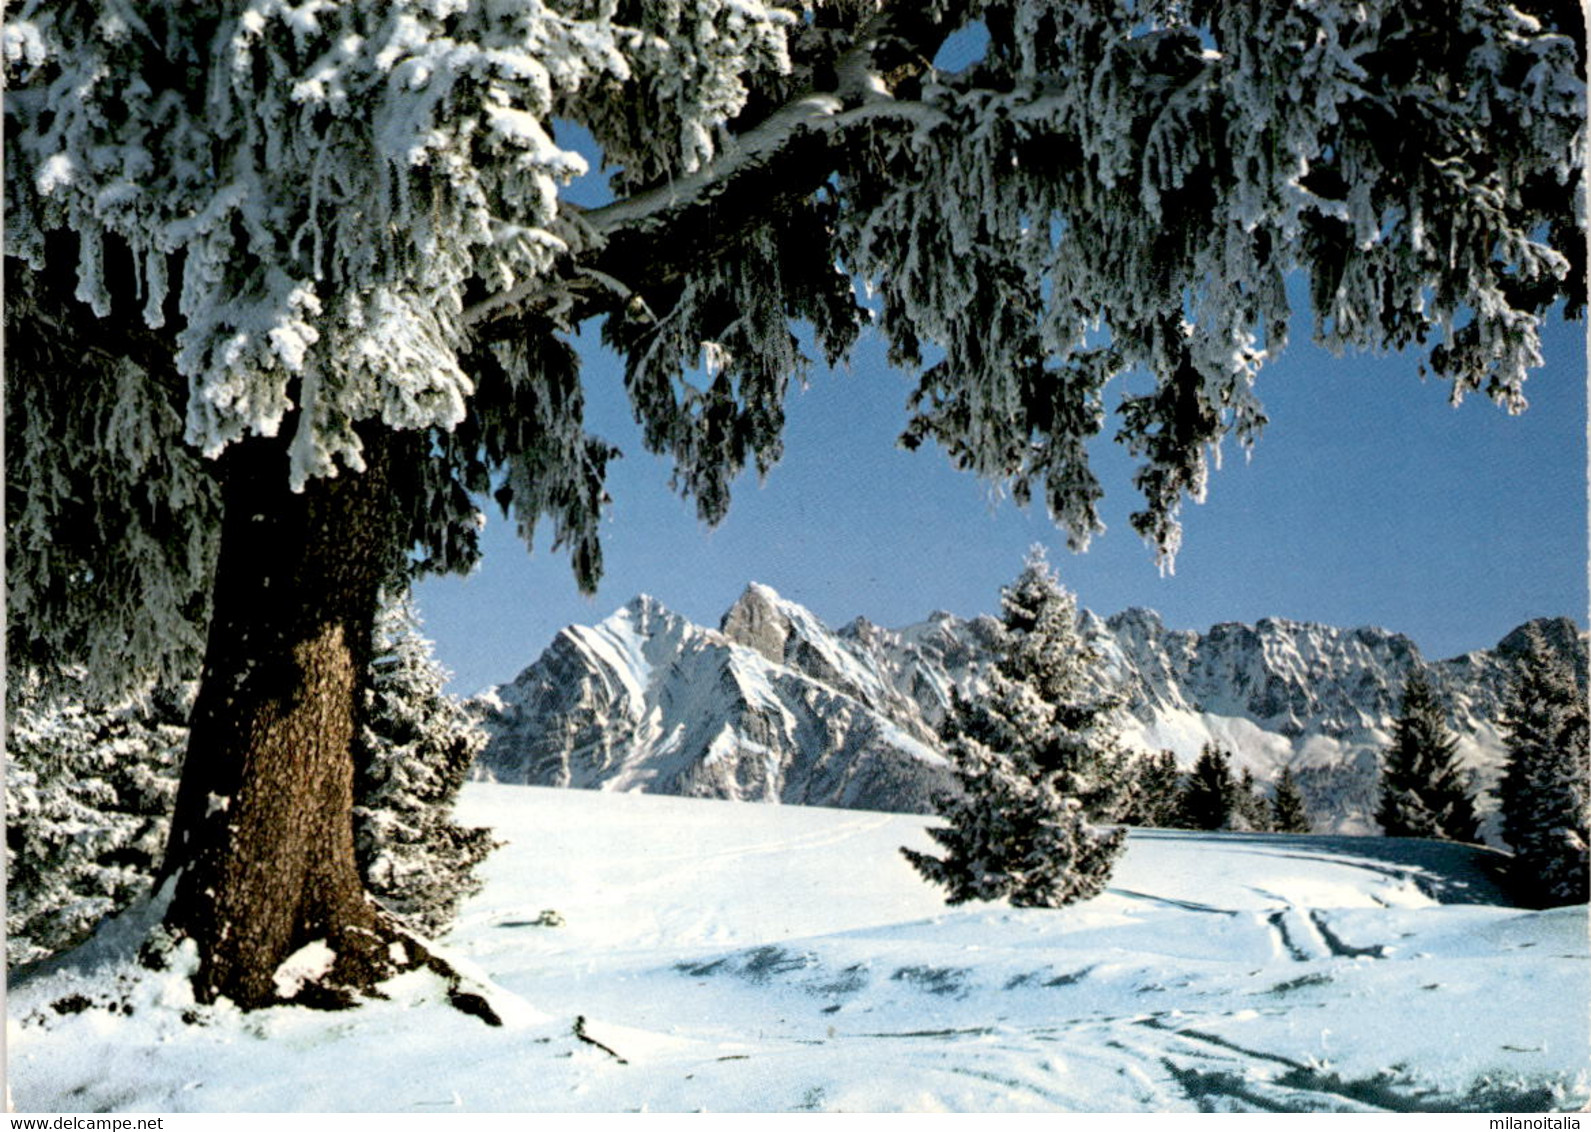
x=753, y=957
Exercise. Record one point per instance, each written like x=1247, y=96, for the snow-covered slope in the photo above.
x=754, y=958
x=774, y=705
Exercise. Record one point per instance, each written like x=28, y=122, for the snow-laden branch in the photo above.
x=755, y=148
x=862, y=82
x=655, y=209
x=865, y=90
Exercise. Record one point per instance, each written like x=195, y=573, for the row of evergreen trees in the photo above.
x=1041, y=773
x=1209, y=796
x=89, y=793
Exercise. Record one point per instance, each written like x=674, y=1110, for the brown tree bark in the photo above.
x=262, y=839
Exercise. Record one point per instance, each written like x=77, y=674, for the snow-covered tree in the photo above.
x=1545, y=792
x=1288, y=811
x=1156, y=792
x=1048, y=691
x=1035, y=756
x=1209, y=794
x=88, y=796
x=293, y=285
x=89, y=791
x=1424, y=790
x=1012, y=835
x=1250, y=808
x=415, y=750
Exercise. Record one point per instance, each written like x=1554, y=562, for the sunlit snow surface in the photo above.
x=755, y=957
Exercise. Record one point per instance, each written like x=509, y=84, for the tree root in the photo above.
x=364, y=958
x=400, y=950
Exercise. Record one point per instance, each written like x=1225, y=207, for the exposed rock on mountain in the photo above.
x=772, y=707
x=775, y=706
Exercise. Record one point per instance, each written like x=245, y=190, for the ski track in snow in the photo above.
x=751, y=957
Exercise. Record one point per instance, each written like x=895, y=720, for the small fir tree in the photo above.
x=88, y=795
x=1250, y=810
x=1156, y=792
x=1288, y=812
x=1424, y=791
x=1210, y=794
x=415, y=751
x=1010, y=833
x=1060, y=716
x=1543, y=794
x=1035, y=755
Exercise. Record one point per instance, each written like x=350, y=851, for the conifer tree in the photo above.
x=1069, y=724
x=1250, y=809
x=1156, y=792
x=88, y=794
x=1032, y=752
x=1288, y=812
x=1545, y=792
x=1209, y=795
x=416, y=747
x=89, y=791
x=1424, y=791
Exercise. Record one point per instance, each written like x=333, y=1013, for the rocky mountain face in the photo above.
x=772, y=706
x=775, y=706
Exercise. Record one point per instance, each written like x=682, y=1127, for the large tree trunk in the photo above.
x=262, y=837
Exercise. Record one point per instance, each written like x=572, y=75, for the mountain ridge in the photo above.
x=773, y=705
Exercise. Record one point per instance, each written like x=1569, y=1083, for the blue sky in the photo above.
x=1367, y=501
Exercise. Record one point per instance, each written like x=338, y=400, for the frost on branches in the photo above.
x=110, y=520
x=333, y=182
x=1125, y=187
x=1035, y=757
x=1545, y=792
x=351, y=212
x=278, y=214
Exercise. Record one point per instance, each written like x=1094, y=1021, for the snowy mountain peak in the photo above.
x=757, y=620
x=1139, y=621
x=774, y=705
x=862, y=630
x=642, y=603
x=643, y=611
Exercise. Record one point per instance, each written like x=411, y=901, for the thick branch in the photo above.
x=659, y=234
